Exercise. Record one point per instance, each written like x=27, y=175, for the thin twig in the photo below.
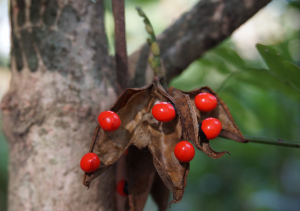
x=120, y=42
x=154, y=61
x=272, y=141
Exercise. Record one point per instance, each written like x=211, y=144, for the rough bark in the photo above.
x=61, y=80
x=208, y=23
x=61, y=73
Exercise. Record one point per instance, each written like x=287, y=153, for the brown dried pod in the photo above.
x=151, y=161
x=191, y=117
x=160, y=193
x=139, y=128
x=140, y=176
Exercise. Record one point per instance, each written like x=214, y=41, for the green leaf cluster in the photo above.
x=225, y=67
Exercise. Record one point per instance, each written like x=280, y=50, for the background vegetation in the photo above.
x=262, y=91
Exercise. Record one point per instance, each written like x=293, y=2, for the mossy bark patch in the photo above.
x=17, y=52
x=50, y=12
x=28, y=48
x=68, y=20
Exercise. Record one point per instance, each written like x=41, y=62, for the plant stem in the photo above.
x=272, y=141
x=120, y=44
x=154, y=61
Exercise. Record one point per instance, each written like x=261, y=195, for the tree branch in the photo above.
x=120, y=41
x=272, y=141
x=200, y=29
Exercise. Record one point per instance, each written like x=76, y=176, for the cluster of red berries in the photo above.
x=108, y=121
x=163, y=112
x=210, y=127
x=90, y=162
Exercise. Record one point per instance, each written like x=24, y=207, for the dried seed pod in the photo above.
x=160, y=193
x=139, y=128
x=140, y=173
x=156, y=141
x=191, y=117
x=229, y=128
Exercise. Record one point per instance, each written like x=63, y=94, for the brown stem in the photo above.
x=122, y=78
x=120, y=42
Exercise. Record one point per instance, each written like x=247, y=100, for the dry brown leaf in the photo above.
x=160, y=193
x=141, y=173
x=222, y=113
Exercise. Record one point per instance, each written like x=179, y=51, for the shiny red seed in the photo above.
x=109, y=121
x=206, y=102
x=163, y=112
x=89, y=162
x=211, y=127
x=184, y=151
x=122, y=187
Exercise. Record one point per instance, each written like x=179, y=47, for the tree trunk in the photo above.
x=61, y=80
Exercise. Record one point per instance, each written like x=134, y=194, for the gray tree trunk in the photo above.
x=62, y=78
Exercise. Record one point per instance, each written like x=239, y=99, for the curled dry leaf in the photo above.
x=139, y=128
x=191, y=117
x=160, y=193
x=140, y=176
x=229, y=128
x=154, y=142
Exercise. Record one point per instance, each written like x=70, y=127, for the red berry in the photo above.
x=184, y=151
x=206, y=102
x=211, y=127
x=109, y=121
x=163, y=112
x=89, y=162
x=122, y=187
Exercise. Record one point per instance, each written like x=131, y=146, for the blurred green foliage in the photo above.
x=3, y=170
x=263, y=97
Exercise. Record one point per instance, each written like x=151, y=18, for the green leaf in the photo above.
x=274, y=60
x=191, y=78
x=285, y=71
x=230, y=56
x=295, y=4
x=294, y=73
x=269, y=81
x=248, y=76
x=215, y=62
x=262, y=78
